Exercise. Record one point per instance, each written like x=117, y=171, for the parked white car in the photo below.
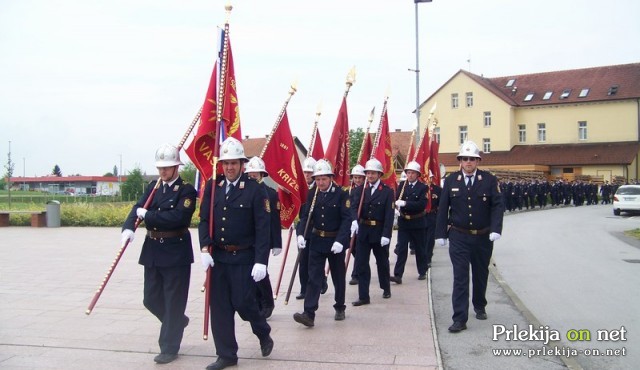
x=626, y=199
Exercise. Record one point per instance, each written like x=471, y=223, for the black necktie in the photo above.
x=165, y=188
x=469, y=181
x=229, y=187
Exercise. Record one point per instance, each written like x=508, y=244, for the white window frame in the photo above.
x=454, y=101
x=487, y=119
x=582, y=130
x=522, y=133
x=463, y=133
x=486, y=145
x=469, y=99
x=542, y=132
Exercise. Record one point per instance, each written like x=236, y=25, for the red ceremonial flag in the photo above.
x=422, y=156
x=202, y=147
x=316, y=150
x=411, y=152
x=434, y=163
x=382, y=152
x=366, y=150
x=283, y=164
x=338, y=150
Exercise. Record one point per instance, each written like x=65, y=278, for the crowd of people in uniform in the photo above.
x=522, y=194
x=240, y=227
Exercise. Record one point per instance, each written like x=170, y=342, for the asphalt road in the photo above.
x=567, y=272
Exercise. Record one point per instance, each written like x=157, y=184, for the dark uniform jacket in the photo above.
x=169, y=211
x=412, y=214
x=331, y=213
x=377, y=207
x=276, y=225
x=241, y=218
x=478, y=209
x=304, y=209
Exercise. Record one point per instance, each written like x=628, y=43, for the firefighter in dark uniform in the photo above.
x=328, y=218
x=167, y=253
x=357, y=180
x=470, y=216
x=411, y=204
x=256, y=169
x=434, y=192
x=373, y=227
x=239, y=253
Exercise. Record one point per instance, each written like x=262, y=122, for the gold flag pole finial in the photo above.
x=351, y=79
x=228, y=8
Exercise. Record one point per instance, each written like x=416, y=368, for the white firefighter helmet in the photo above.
x=469, y=149
x=322, y=168
x=373, y=165
x=232, y=148
x=167, y=155
x=256, y=164
x=307, y=165
x=357, y=170
x=413, y=166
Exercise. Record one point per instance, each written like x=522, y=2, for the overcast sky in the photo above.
x=86, y=82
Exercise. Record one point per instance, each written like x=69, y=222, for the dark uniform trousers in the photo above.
x=411, y=227
x=330, y=214
x=167, y=261
x=303, y=267
x=467, y=214
x=264, y=291
x=242, y=220
x=376, y=208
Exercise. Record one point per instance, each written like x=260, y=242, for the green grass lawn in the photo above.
x=635, y=233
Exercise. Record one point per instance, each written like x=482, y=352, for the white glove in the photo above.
x=397, y=213
x=441, y=242
x=207, y=260
x=127, y=236
x=401, y=203
x=494, y=236
x=354, y=227
x=258, y=272
x=276, y=251
x=302, y=244
x=384, y=241
x=336, y=248
x=140, y=212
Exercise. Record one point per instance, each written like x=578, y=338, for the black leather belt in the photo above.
x=324, y=234
x=411, y=217
x=370, y=222
x=471, y=231
x=232, y=247
x=166, y=234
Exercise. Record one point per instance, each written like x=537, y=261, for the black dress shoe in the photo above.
x=422, y=277
x=395, y=279
x=353, y=281
x=300, y=296
x=457, y=326
x=221, y=363
x=303, y=319
x=481, y=315
x=386, y=294
x=412, y=252
x=186, y=321
x=339, y=315
x=266, y=346
x=325, y=286
x=361, y=302
x=165, y=358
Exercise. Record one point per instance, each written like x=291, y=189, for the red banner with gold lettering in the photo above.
x=423, y=156
x=283, y=164
x=338, y=149
x=383, y=153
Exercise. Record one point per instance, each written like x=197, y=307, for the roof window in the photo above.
x=547, y=95
x=529, y=96
x=613, y=90
x=565, y=93
x=510, y=82
x=584, y=92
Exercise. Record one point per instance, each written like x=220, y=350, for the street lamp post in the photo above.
x=417, y=70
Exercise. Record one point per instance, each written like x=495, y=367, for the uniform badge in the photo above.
x=241, y=185
x=479, y=177
x=455, y=189
x=187, y=203
x=220, y=184
x=267, y=206
x=348, y=203
x=176, y=187
x=278, y=205
x=459, y=177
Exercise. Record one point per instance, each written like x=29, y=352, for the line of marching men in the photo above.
x=240, y=226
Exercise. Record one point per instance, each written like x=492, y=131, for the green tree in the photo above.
x=115, y=170
x=9, y=167
x=355, y=142
x=108, y=174
x=56, y=171
x=134, y=186
x=188, y=173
